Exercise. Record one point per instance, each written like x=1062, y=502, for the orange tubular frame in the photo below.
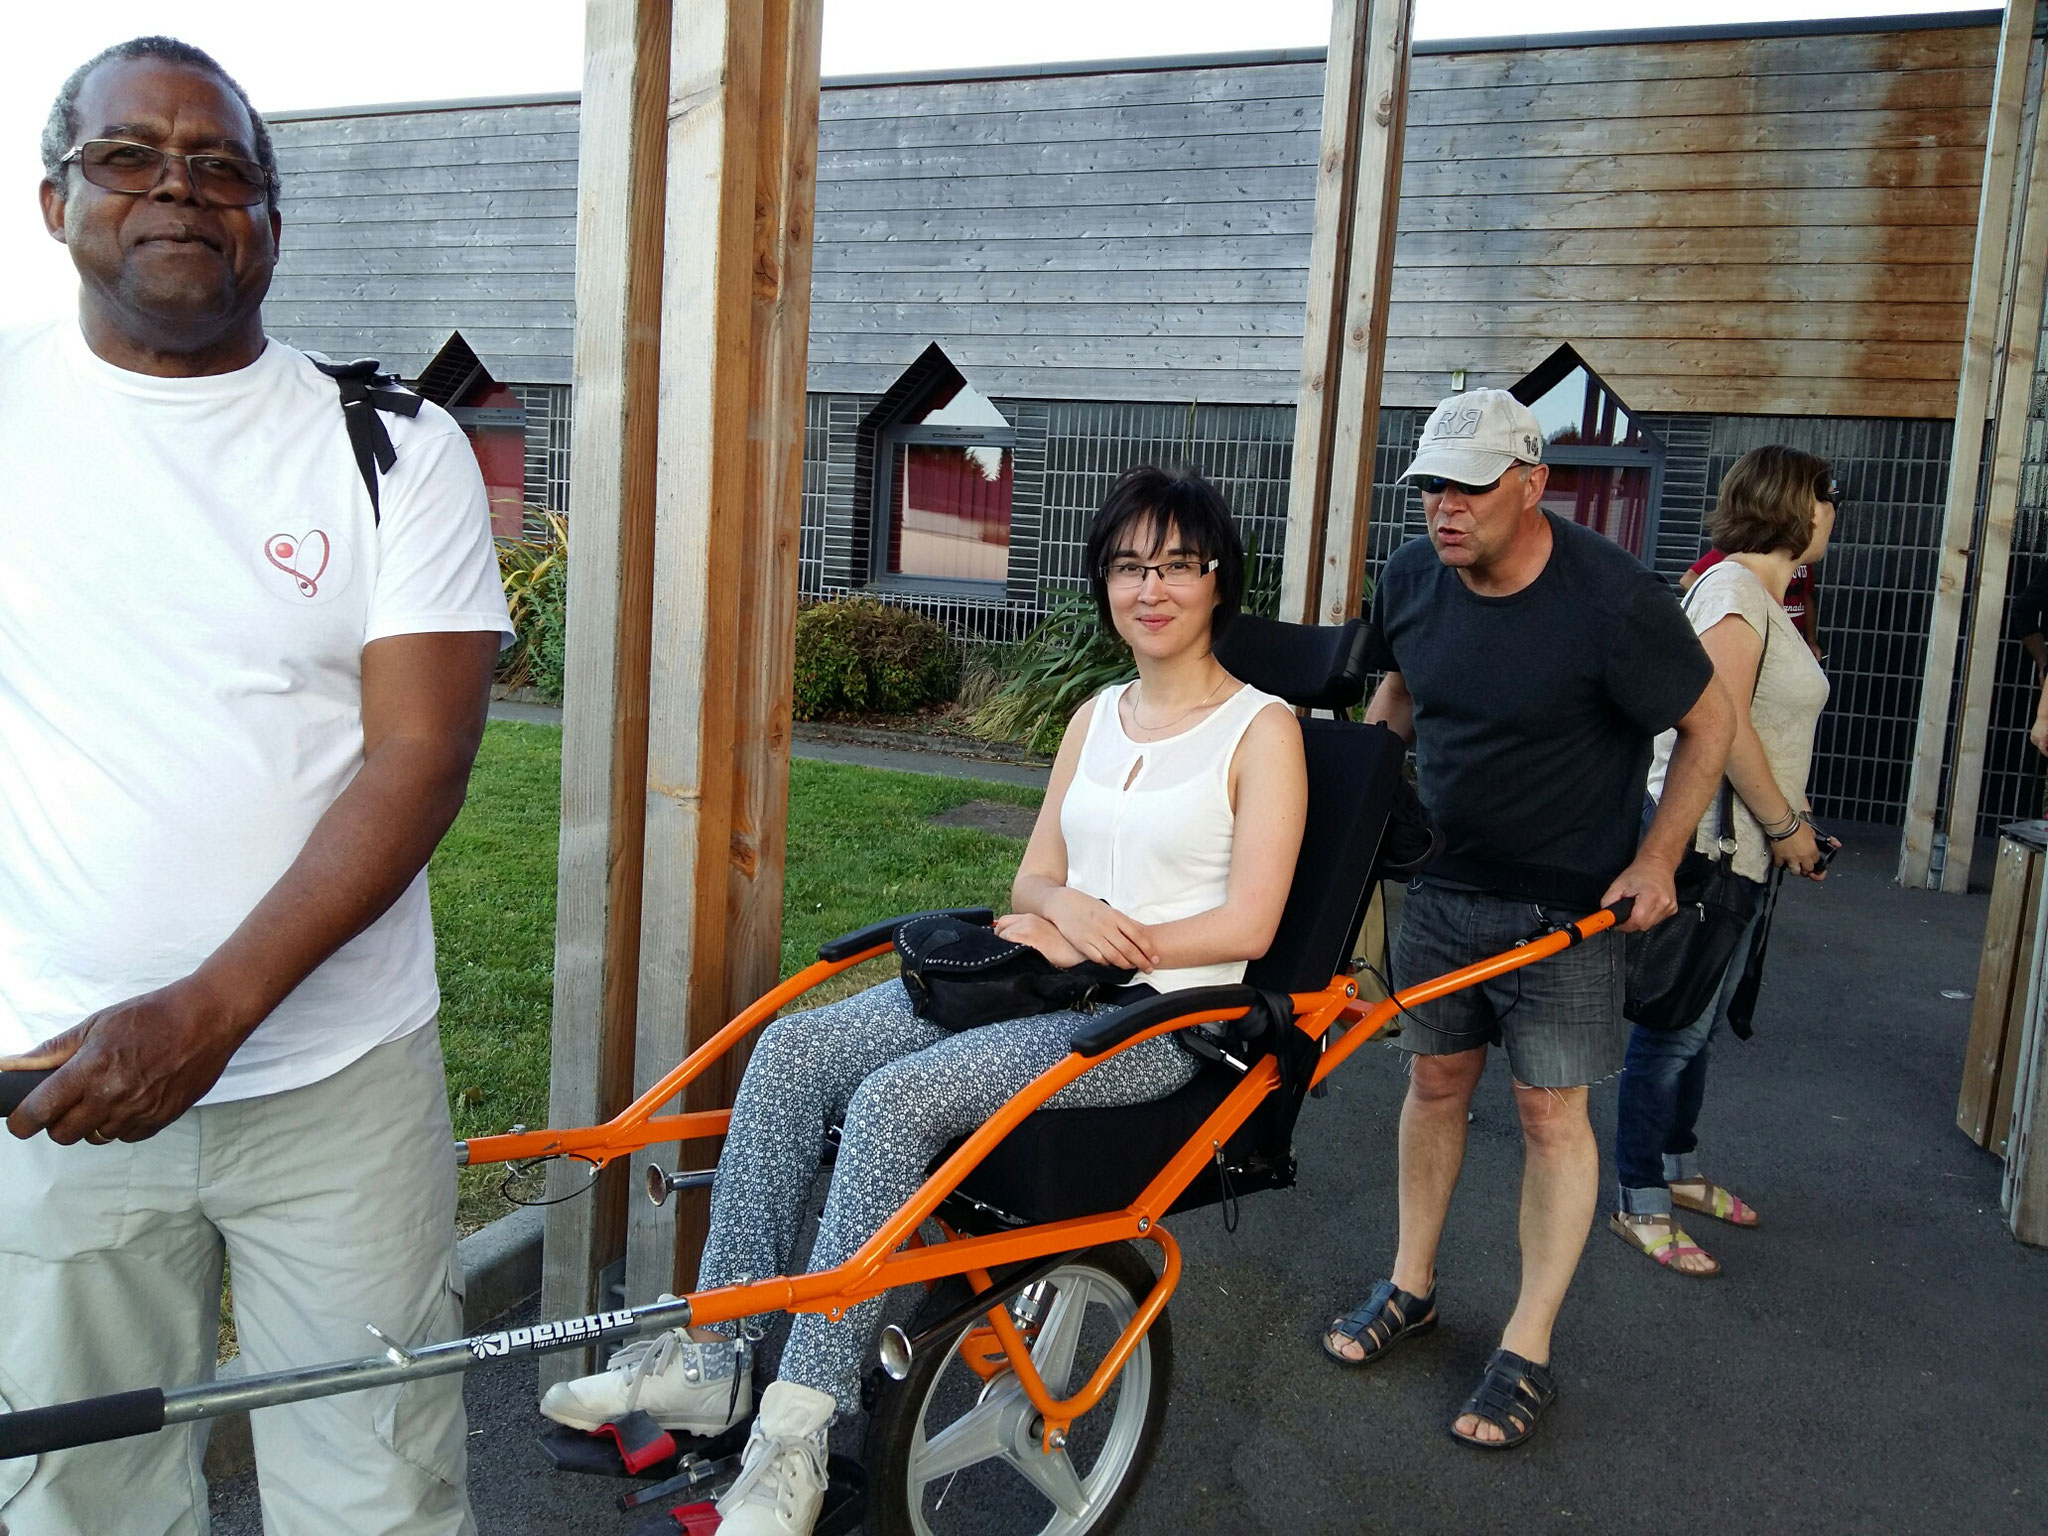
x=895, y=1257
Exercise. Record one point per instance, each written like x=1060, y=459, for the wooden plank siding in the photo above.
x=1763, y=225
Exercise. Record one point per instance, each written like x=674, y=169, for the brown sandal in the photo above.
x=1666, y=1250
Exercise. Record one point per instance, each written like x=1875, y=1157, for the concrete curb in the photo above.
x=501, y=1271
x=501, y=1266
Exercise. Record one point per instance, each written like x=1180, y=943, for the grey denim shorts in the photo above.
x=1559, y=1018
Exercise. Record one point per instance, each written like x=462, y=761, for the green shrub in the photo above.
x=1049, y=674
x=536, y=577
x=857, y=656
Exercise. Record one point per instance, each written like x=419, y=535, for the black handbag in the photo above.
x=962, y=975
x=1676, y=968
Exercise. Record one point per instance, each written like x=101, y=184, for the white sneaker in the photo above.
x=701, y=1388
x=781, y=1485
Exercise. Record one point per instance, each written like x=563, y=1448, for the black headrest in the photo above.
x=1311, y=666
x=1353, y=773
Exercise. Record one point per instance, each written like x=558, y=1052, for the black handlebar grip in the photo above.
x=16, y=1086
x=87, y=1422
x=1623, y=909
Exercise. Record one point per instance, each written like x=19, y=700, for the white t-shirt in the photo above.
x=1791, y=691
x=189, y=572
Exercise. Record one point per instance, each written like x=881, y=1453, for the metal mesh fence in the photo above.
x=1875, y=587
x=547, y=450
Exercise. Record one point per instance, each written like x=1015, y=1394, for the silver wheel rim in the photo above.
x=1088, y=1306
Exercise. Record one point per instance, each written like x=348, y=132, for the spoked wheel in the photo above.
x=956, y=1451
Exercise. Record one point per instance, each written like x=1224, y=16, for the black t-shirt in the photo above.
x=2030, y=608
x=1534, y=713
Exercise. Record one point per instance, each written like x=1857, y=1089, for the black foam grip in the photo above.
x=1623, y=909
x=847, y=945
x=16, y=1086
x=36, y=1430
x=1106, y=1031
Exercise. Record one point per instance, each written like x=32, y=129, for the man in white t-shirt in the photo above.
x=238, y=708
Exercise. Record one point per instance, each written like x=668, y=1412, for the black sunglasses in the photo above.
x=1828, y=489
x=1436, y=485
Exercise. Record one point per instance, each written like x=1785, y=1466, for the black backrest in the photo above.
x=1352, y=771
x=1311, y=666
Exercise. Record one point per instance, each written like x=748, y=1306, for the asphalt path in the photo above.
x=1874, y=1359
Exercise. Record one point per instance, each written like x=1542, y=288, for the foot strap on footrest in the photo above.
x=642, y=1443
x=636, y=1446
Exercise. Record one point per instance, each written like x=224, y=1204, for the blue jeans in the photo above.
x=1663, y=1083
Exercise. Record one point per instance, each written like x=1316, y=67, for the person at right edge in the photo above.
x=1532, y=662
x=1774, y=513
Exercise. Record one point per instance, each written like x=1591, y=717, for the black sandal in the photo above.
x=1511, y=1396
x=1381, y=1321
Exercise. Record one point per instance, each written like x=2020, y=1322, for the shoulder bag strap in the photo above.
x=364, y=392
x=1724, y=825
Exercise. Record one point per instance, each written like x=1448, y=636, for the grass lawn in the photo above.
x=861, y=847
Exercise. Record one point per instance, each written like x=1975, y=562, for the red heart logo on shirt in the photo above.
x=303, y=557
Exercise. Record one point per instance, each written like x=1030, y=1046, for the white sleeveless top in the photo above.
x=1148, y=824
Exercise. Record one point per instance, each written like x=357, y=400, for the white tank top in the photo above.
x=1148, y=824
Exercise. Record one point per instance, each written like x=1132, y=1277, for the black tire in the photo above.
x=1110, y=1446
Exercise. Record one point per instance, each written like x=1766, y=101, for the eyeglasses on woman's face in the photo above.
x=1179, y=571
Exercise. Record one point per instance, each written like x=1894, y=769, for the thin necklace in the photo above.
x=1176, y=720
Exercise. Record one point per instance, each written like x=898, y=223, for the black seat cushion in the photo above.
x=1062, y=1163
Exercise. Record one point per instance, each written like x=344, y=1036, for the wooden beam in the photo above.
x=611, y=544
x=1308, y=492
x=700, y=518
x=785, y=181
x=1988, y=276
x=2001, y=505
x=1375, y=214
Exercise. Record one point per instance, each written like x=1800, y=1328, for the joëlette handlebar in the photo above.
x=16, y=1086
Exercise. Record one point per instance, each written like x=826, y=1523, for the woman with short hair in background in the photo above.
x=1774, y=513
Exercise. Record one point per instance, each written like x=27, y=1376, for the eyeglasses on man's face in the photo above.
x=120, y=165
x=1436, y=485
x=1180, y=571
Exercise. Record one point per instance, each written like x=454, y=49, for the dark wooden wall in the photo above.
x=1765, y=225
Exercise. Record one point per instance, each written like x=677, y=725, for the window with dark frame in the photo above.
x=1606, y=472
x=943, y=485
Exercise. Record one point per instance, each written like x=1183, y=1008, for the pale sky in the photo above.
x=291, y=54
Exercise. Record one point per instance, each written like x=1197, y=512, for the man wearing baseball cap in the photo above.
x=1531, y=662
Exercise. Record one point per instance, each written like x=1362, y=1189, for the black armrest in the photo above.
x=847, y=945
x=1105, y=1033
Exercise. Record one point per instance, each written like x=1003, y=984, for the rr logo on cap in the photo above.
x=1462, y=422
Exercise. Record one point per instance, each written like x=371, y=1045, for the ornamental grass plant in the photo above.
x=535, y=572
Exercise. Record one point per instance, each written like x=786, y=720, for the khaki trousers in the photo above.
x=334, y=1205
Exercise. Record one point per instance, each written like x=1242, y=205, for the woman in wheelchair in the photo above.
x=1165, y=846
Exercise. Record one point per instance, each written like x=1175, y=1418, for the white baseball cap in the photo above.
x=1476, y=437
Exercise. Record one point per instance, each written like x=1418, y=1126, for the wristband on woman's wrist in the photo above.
x=1791, y=824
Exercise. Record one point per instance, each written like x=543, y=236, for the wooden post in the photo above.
x=1376, y=211
x=742, y=114
x=1351, y=264
x=611, y=564
x=1994, y=553
x=785, y=183
x=1989, y=282
x=1329, y=268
